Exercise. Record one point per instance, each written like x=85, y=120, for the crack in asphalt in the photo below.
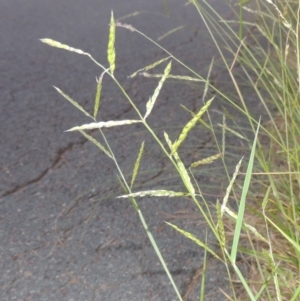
x=58, y=159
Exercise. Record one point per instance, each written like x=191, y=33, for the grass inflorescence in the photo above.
x=263, y=229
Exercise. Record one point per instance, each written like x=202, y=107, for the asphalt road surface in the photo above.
x=63, y=234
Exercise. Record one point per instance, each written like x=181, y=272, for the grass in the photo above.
x=264, y=230
x=268, y=62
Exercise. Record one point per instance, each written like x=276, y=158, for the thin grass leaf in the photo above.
x=208, y=160
x=288, y=238
x=159, y=255
x=73, y=102
x=170, y=32
x=197, y=185
x=227, y=115
x=152, y=99
x=184, y=174
x=194, y=239
x=180, y=77
x=242, y=205
x=152, y=240
x=262, y=289
x=98, y=95
x=149, y=67
x=203, y=279
x=159, y=193
x=166, y=7
x=231, y=131
x=275, y=80
x=99, y=125
x=62, y=46
x=136, y=13
x=123, y=183
x=296, y=294
x=244, y=282
x=111, y=52
x=137, y=164
x=190, y=125
x=243, y=2
x=224, y=135
x=97, y=143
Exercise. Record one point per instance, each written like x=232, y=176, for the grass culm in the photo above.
x=262, y=229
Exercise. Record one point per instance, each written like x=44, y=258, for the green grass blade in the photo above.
x=242, y=204
x=296, y=294
x=224, y=135
x=97, y=143
x=125, y=187
x=194, y=239
x=225, y=128
x=158, y=253
x=166, y=7
x=137, y=164
x=151, y=238
x=244, y=282
x=98, y=95
x=149, y=67
x=170, y=32
x=152, y=99
x=102, y=124
x=288, y=238
x=111, y=52
x=203, y=279
x=190, y=125
x=136, y=13
x=73, y=102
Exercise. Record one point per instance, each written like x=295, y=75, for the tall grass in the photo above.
x=267, y=59
x=264, y=231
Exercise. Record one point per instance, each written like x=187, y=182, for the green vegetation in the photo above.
x=264, y=231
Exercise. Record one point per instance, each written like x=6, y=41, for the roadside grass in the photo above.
x=263, y=233
x=266, y=54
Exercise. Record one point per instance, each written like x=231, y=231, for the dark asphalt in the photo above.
x=63, y=234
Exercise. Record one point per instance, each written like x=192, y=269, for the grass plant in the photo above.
x=264, y=230
x=266, y=57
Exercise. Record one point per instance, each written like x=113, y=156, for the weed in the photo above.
x=264, y=231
